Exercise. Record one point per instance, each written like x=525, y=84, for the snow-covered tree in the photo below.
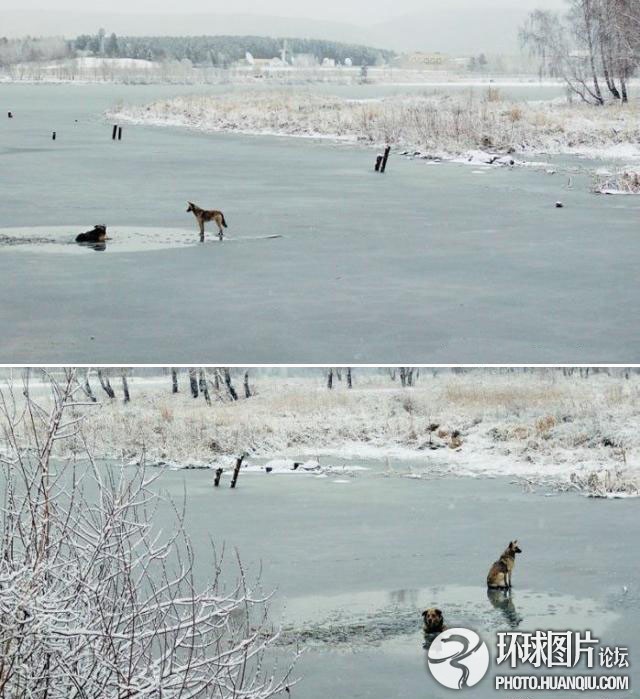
x=95, y=602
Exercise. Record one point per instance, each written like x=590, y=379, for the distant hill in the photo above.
x=223, y=50
x=18, y=23
x=455, y=27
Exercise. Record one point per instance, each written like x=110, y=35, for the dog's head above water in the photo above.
x=433, y=620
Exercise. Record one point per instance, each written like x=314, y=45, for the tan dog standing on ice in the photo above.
x=202, y=216
x=499, y=577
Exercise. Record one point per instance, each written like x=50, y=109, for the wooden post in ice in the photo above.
x=236, y=470
x=114, y=133
x=119, y=133
x=378, y=162
x=349, y=378
x=216, y=481
x=53, y=136
x=10, y=115
x=385, y=157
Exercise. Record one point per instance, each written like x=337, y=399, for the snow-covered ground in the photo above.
x=539, y=425
x=91, y=69
x=436, y=126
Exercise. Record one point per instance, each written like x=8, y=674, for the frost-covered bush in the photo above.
x=431, y=123
x=625, y=182
x=606, y=483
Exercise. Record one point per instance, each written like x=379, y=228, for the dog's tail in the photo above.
x=224, y=223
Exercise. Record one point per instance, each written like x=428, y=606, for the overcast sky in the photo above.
x=365, y=11
x=450, y=26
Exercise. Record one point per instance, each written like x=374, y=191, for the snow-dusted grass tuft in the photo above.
x=607, y=483
x=625, y=182
x=437, y=124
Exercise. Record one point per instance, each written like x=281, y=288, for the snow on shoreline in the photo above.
x=441, y=127
x=543, y=427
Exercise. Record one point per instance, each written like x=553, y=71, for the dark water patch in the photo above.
x=12, y=240
x=376, y=617
x=61, y=239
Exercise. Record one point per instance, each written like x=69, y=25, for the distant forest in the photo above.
x=224, y=50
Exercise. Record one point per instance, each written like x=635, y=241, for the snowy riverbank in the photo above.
x=437, y=126
x=539, y=426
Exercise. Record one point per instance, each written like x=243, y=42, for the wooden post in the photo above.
x=378, y=162
x=120, y=134
x=193, y=382
x=114, y=133
x=349, y=378
x=236, y=470
x=330, y=379
x=387, y=150
x=10, y=115
x=216, y=481
x=53, y=136
x=174, y=380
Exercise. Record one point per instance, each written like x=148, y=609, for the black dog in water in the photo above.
x=97, y=235
x=96, y=238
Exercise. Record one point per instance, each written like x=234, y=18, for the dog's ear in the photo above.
x=438, y=612
x=424, y=614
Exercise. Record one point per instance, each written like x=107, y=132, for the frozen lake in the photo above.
x=354, y=563
x=447, y=263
